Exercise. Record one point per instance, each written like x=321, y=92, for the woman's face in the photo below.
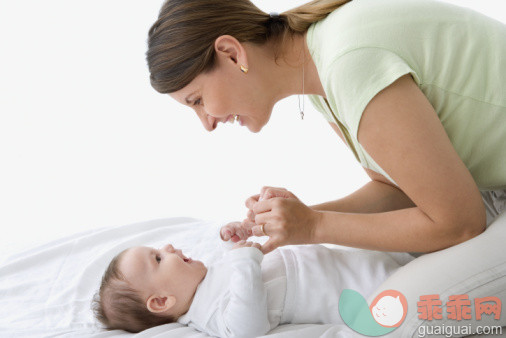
x=225, y=91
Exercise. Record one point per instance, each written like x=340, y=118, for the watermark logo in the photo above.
x=458, y=307
x=386, y=312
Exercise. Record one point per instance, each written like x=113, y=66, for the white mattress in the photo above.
x=47, y=290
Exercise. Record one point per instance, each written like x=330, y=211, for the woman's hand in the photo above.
x=235, y=231
x=286, y=219
x=265, y=193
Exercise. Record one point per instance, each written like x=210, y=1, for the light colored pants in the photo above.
x=476, y=267
x=495, y=203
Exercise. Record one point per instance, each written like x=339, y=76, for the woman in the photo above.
x=414, y=88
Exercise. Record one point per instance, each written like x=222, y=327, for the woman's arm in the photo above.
x=399, y=230
x=375, y=196
x=401, y=131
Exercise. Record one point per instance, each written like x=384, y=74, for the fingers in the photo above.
x=242, y=233
x=250, y=202
x=243, y=243
x=234, y=231
x=264, y=214
x=265, y=188
x=250, y=215
x=263, y=207
x=248, y=224
x=265, y=193
x=225, y=233
x=257, y=231
x=246, y=227
x=269, y=192
x=268, y=246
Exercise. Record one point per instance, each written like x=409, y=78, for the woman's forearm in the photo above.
x=409, y=230
x=375, y=196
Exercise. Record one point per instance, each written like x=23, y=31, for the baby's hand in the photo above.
x=243, y=244
x=235, y=231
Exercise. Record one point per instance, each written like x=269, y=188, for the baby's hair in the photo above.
x=119, y=306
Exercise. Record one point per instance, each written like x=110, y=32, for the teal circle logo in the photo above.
x=386, y=312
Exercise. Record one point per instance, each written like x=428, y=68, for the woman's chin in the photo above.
x=253, y=128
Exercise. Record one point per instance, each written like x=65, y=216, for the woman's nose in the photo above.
x=209, y=122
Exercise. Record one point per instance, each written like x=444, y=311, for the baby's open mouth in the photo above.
x=187, y=260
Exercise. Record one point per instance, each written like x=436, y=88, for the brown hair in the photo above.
x=181, y=41
x=119, y=306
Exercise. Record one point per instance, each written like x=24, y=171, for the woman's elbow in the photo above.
x=455, y=234
x=466, y=231
x=475, y=227
x=467, y=224
x=472, y=231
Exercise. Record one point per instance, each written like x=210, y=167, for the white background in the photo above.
x=85, y=142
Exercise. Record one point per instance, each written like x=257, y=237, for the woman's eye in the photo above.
x=158, y=259
x=196, y=102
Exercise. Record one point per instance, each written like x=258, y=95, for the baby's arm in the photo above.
x=245, y=315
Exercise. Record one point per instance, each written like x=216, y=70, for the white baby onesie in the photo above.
x=246, y=294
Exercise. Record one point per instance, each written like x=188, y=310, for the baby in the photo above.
x=243, y=294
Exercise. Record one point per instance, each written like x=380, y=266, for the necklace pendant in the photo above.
x=301, y=115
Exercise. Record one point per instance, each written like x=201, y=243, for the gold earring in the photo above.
x=244, y=69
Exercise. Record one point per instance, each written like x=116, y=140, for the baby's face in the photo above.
x=163, y=273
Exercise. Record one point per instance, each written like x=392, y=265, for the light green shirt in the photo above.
x=456, y=56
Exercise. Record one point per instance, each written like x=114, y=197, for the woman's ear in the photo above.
x=160, y=303
x=231, y=50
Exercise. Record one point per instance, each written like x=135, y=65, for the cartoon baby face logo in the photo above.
x=386, y=312
x=389, y=308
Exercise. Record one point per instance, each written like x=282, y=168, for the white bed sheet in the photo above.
x=46, y=291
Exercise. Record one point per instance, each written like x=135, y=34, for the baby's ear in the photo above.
x=160, y=304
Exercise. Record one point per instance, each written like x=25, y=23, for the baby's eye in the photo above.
x=196, y=102
x=158, y=257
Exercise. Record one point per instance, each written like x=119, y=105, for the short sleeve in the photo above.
x=355, y=77
x=317, y=105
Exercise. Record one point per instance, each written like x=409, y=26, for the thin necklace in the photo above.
x=303, y=98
